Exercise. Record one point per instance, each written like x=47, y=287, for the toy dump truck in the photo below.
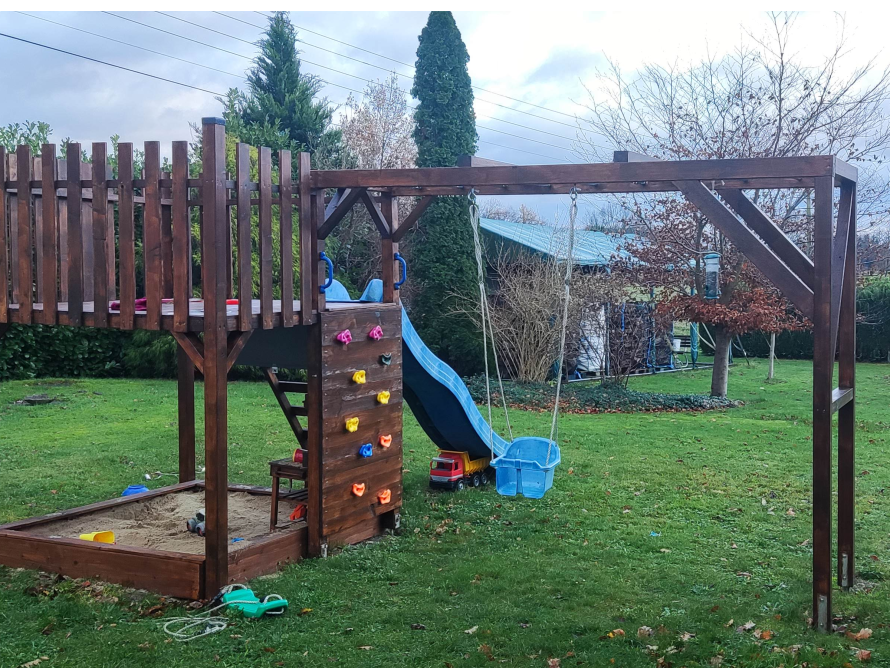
x=455, y=470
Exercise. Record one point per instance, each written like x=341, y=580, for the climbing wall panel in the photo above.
x=360, y=417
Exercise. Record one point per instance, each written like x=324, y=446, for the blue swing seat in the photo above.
x=524, y=467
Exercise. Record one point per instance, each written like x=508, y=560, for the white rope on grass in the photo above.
x=208, y=622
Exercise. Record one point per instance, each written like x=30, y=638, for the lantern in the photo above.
x=712, y=275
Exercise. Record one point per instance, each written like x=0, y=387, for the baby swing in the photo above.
x=526, y=466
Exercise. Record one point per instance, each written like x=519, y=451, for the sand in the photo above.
x=159, y=523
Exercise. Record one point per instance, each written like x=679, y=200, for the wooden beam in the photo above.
x=846, y=417
x=629, y=172
x=781, y=245
x=412, y=218
x=388, y=249
x=823, y=366
x=337, y=208
x=308, y=267
x=846, y=171
x=839, y=257
x=376, y=215
x=789, y=283
x=216, y=229
x=234, y=346
x=193, y=347
x=185, y=368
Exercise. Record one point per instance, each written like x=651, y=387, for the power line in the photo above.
x=364, y=62
x=185, y=85
x=135, y=46
x=211, y=46
x=102, y=62
x=379, y=55
x=408, y=76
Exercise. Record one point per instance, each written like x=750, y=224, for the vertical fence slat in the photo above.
x=75, y=237
x=126, y=234
x=265, y=174
x=13, y=229
x=319, y=302
x=62, y=172
x=230, y=247
x=245, y=254
x=37, y=203
x=166, y=241
x=110, y=250
x=86, y=230
x=4, y=222
x=182, y=237
x=23, y=232
x=307, y=234
x=286, y=211
x=152, y=235
x=49, y=204
x=100, y=229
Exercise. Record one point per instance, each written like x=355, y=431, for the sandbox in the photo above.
x=159, y=523
x=153, y=550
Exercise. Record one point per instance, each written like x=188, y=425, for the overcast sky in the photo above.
x=540, y=58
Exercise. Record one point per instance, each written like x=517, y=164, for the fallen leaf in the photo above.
x=744, y=574
x=686, y=637
x=472, y=630
x=271, y=650
x=305, y=611
x=744, y=628
x=366, y=647
x=645, y=632
x=863, y=634
x=552, y=663
x=418, y=627
x=864, y=655
x=618, y=632
x=716, y=660
x=38, y=661
x=790, y=512
x=486, y=650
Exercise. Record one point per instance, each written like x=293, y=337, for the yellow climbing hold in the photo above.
x=383, y=397
x=352, y=424
x=359, y=377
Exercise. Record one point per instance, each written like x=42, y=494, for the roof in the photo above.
x=592, y=249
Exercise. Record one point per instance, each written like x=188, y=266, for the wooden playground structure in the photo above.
x=67, y=257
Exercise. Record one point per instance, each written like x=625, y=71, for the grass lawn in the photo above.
x=689, y=524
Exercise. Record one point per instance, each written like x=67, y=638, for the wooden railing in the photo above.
x=81, y=242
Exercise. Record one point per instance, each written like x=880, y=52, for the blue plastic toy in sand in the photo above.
x=525, y=467
x=134, y=489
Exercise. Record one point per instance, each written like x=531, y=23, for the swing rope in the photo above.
x=567, y=288
x=486, y=324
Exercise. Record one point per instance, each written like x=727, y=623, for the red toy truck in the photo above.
x=455, y=470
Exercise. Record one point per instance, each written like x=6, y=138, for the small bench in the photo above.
x=287, y=469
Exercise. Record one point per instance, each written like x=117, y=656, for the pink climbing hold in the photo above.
x=344, y=337
x=376, y=333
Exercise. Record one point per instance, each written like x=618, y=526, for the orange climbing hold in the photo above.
x=358, y=488
x=352, y=424
x=298, y=513
x=383, y=397
x=385, y=496
x=385, y=440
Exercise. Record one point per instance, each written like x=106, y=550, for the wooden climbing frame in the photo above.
x=67, y=255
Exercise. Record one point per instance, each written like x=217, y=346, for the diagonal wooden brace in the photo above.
x=839, y=257
x=412, y=218
x=337, y=209
x=376, y=214
x=192, y=346
x=789, y=283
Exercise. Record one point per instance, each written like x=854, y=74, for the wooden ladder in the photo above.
x=280, y=388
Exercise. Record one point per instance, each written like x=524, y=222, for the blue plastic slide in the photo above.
x=442, y=405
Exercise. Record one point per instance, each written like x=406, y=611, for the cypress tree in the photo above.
x=442, y=251
x=282, y=109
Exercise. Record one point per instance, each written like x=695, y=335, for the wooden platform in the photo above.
x=196, y=314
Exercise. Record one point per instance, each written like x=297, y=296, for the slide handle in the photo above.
x=330, y=281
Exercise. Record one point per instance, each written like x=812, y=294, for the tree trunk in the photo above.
x=772, y=356
x=720, y=374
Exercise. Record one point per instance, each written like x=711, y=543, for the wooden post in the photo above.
x=49, y=202
x=307, y=234
x=186, y=397
x=823, y=366
x=23, y=231
x=4, y=245
x=99, y=240
x=75, y=239
x=213, y=239
x=390, y=208
x=319, y=300
x=846, y=419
